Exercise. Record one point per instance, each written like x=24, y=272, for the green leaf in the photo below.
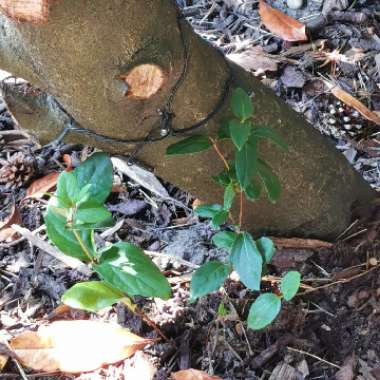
x=91, y=296
x=253, y=190
x=193, y=144
x=219, y=218
x=247, y=261
x=290, y=284
x=271, y=182
x=267, y=248
x=229, y=196
x=208, y=211
x=208, y=278
x=269, y=134
x=264, y=311
x=239, y=132
x=225, y=240
x=127, y=268
x=98, y=172
x=224, y=130
x=92, y=215
x=67, y=190
x=246, y=163
x=241, y=104
x=64, y=239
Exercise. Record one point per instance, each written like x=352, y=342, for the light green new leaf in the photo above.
x=208, y=278
x=67, y=190
x=247, y=261
x=219, y=218
x=193, y=144
x=127, y=268
x=239, y=132
x=290, y=284
x=208, y=211
x=64, y=239
x=98, y=172
x=229, y=196
x=271, y=182
x=91, y=296
x=269, y=134
x=91, y=214
x=246, y=163
x=225, y=240
x=264, y=311
x=267, y=248
x=241, y=104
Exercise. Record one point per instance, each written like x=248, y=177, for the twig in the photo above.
x=219, y=153
x=52, y=251
x=241, y=209
x=313, y=356
x=301, y=243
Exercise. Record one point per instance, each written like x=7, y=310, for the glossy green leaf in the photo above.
x=269, y=134
x=208, y=211
x=225, y=240
x=193, y=144
x=224, y=130
x=247, y=261
x=241, y=104
x=64, y=239
x=208, y=278
x=219, y=218
x=264, y=311
x=91, y=296
x=98, y=172
x=267, y=248
x=290, y=284
x=271, y=182
x=127, y=268
x=246, y=163
x=239, y=132
x=92, y=214
x=229, y=196
x=253, y=190
x=67, y=190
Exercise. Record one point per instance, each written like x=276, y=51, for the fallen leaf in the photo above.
x=255, y=59
x=66, y=158
x=348, y=99
x=8, y=234
x=75, y=346
x=35, y=11
x=41, y=186
x=193, y=374
x=281, y=24
x=346, y=372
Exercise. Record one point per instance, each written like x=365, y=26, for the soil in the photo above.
x=330, y=330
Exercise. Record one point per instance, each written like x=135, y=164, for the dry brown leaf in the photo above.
x=281, y=24
x=346, y=372
x=193, y=374
x=8, y=234
x=75, y=346
x=41, y=186
x=255, y=59
x=35, y=11
x=348, y=99
x=3, y=361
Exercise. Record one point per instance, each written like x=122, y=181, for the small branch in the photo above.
x=219, y=153
x=241, y=209
x=52, y=251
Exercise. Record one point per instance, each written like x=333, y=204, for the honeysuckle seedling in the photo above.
x=246, y=175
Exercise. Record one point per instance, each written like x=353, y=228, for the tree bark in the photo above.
x=86, y=49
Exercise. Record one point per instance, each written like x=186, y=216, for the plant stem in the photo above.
x=135, y=310
x=241, y=210
x=219, y=153
x=83, y=246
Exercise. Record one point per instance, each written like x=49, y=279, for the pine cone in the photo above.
x=16, y=170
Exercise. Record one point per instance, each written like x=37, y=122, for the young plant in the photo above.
x=74, y=212
x=245, y=176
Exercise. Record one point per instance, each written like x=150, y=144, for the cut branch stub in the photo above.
x=35, y=11
x=144, y=81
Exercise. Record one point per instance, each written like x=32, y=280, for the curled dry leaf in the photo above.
x=281, y=24
x=75, y=346
x=8, y=234
x=41, y=186
x=193, y=374
x=348, y=99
